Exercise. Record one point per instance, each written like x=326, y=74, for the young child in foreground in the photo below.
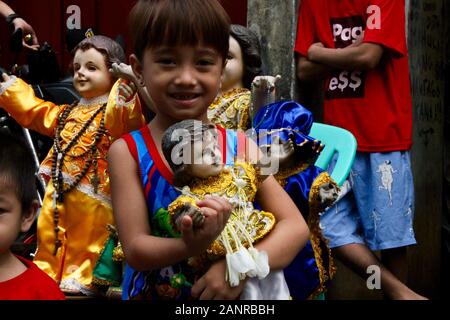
x=180, y=53
x=20, y=279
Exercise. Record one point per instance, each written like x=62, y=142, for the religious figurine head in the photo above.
x=93, y=57
x=191, y=149
x=244, y=59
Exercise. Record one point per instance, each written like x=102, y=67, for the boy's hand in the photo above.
x=213, y=286
x=127, y=90
x=216, y=210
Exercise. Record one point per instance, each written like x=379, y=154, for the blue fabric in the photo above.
x=284, y=114
x=302, y=275
x=378, y=209
x=289, y=115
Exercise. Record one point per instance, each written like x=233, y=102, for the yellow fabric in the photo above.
x=257, y=223
x=82, y=231
x=231, y=109
x=84, y=215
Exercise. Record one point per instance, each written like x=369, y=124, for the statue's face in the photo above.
x=91, y=75
x=234, y=69
x=206, y=157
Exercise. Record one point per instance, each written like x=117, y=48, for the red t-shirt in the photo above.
x=33, y=284
x=374, y=105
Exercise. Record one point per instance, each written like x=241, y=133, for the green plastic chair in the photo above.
x=336, y=140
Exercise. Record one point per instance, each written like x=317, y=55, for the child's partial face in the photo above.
x=10, y=216
x=91, y=75
x=234, y=69
x=182, y=80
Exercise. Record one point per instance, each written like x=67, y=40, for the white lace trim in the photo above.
x=94, y=101
x=71, y=284
x=86, y=189
x=7, y=84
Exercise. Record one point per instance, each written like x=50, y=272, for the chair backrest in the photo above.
x=336, y=140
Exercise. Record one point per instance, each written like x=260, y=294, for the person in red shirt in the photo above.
x=359, y=48
x=20, y=279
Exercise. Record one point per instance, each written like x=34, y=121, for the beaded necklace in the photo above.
x=59, y=153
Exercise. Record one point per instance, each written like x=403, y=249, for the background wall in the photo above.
x=107, y=17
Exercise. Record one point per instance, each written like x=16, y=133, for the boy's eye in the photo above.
x=166, y=61
x=230, y=56
x=205, y=62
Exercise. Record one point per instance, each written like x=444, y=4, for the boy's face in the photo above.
x=182, y=80
x=234, y=69
x=91, y=75
x=12, y=221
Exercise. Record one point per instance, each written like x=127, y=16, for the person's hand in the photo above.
x=312, y=50
x=127, y=90
x=33, y=43
x=216, y=211
x=213, y=285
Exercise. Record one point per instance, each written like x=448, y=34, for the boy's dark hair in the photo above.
x=194, y=130
x=251, y=52
x=155, y=23
x=17, y=169
x=110, y=49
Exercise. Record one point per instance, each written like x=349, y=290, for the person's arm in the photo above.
x=143, y=251
x=18, y=22
x=362, y=57
x=290, y=233
x=311, y=71
x=5, y=10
